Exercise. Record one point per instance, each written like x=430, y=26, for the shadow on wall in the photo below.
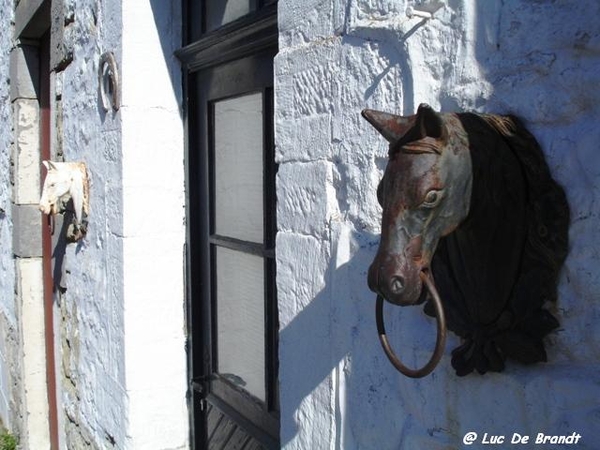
x=318, y=340
x=337, y=370
x=169, y=27
x=397, y=55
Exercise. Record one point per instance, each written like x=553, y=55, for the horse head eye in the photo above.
x=432, y=198
x=380, y=193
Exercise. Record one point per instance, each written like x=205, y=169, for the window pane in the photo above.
x=241, y=320
x=239, y=168
x=220, y=12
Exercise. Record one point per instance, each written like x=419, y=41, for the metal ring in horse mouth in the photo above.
x=441, y=333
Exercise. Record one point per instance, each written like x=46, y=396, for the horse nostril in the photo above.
x=397, y=285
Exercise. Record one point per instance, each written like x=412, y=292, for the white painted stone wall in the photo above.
x=121, y=361
x=154, y=226
x=92, y=329
x=6, y=264
x=539, y=60
x=34, y=355
x=7, y=273
x=124, y=282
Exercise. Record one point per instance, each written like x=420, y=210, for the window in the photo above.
x=232, y=305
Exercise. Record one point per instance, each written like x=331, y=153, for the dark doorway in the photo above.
x=232, y=305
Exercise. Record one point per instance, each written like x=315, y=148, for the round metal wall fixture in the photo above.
x=108, y=80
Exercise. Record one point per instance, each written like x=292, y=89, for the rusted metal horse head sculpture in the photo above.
x=469, y=210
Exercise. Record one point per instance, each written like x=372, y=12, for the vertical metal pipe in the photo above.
x=44, y=99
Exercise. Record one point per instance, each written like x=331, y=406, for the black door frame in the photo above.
x=244, y=42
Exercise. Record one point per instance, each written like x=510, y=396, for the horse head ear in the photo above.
x=391, y=126
x=50, y=165
x=430, y=123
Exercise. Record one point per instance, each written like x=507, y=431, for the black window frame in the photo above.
x=243, y=45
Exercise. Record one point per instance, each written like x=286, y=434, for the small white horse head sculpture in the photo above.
x=64, y=180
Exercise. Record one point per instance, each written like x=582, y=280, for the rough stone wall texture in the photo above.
x=6, y=263
x=122, y=329
x=8, y=323
x=93, y=401
x=538, y=60
x=119, y=315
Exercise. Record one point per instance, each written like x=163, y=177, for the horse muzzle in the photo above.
x=396, y=280
x=47, y=208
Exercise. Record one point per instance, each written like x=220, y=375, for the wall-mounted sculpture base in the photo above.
x=495, y=284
